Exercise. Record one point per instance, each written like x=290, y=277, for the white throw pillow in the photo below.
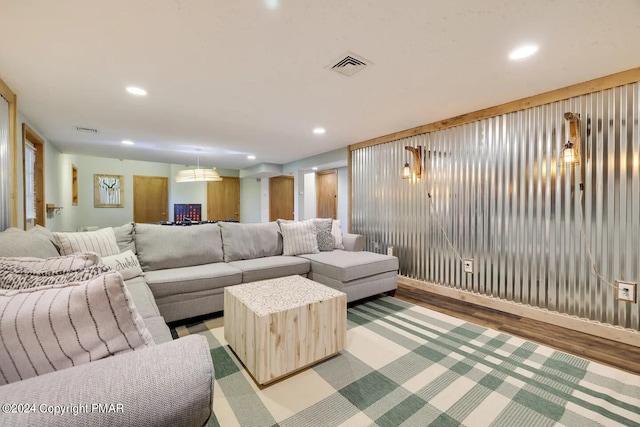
x=299, y=238
x=336, y=232
x=103, y=242
x=125, y=263
x=51, y=328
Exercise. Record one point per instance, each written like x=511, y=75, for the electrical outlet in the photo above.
x=626, y=291
x=468, y=265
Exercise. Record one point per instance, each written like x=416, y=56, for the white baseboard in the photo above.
x=603, y=330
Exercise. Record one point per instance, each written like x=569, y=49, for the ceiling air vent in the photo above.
x=86, y=130
x=349, y=64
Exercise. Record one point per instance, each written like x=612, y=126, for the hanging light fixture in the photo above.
x=406, y=171
x=194, y=175
x=417, y=163
x=570, y=154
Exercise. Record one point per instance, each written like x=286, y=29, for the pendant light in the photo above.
x=195, y=175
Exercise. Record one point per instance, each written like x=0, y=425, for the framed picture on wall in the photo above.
x=108, y=191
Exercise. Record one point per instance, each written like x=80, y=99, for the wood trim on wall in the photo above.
x=11, y=97
x=28, y=134
x=602, y=83
x=601, y=330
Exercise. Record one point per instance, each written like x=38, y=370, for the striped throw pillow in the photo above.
x=53, y=328
x=103, y=242
x=299, y=238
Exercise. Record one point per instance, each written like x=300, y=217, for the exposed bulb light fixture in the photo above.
x=127, y=142
x=570, y=154
x=319, y=131
x=523, y=52
x=406, y=171
x=194, y=175
x=133, y=90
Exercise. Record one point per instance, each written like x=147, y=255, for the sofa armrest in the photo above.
x=353, y=242
x=169, y=384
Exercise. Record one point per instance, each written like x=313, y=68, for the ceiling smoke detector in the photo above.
x=86, y=130
x=349, y=64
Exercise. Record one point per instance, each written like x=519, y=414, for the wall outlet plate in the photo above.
x=627, y=291
x=468, y=265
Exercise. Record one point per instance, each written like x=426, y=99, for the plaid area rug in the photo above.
x=405, y=365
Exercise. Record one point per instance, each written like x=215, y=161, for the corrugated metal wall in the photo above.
x=497, y=190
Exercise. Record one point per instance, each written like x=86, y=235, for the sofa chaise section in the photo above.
x=358, y=274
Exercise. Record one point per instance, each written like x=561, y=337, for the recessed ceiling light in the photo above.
x=127, y=142
x=272, y=4
x=319, y=131
x=251, y=157
x=136, y=91
x=523, y=52
x=315, y=168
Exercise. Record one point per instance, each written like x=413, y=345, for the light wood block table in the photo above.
x=280, y=326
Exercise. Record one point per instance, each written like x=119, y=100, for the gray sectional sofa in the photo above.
x=187, y=268
x=185, y=272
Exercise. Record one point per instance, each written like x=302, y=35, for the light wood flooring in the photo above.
x=622, y=356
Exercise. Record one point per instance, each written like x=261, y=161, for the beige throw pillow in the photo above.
x=56, y=327
x=299, y=238
x=103, y=242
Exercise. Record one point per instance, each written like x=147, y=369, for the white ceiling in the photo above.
x=240, y=77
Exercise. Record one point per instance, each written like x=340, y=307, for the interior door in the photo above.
x=281, y=197
x=223, y=199
x=150, y=198
x=327, y=194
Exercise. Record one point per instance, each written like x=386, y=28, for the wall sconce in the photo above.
x=570, y=154
x=417, y=163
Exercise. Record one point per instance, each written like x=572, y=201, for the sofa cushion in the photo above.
x=344, y=266
x=20, y=243
x=323, y=234
x=103, y=242
x=158, y=329
x=125, y=237
x=142, y=297
x=52, y=328
x=249, y=241
x=299, y=238
x=271, y=267
x=162, y=247
x=125, y=263
x=192, y=279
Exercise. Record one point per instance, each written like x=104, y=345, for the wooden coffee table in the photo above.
x=283, y=325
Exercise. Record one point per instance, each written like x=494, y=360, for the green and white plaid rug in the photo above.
x=405, y=365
